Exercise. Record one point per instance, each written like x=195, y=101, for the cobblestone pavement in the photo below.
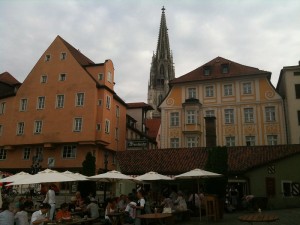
x=286, y=217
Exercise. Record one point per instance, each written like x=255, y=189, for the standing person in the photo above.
x=39, y=217
x=50, y=199
x=21, y=217
x=140, y=206
x=6, y=216
x=130, y=212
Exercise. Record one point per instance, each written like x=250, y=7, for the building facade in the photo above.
x=222, y=103
x=65, y=108
x=162, y=69
x=289, y=88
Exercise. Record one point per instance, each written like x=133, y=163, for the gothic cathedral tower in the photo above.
x=162, y=69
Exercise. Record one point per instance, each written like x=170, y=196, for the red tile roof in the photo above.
x=7, y=78
x=176, y=161
x=153, y=127
x=135, y=105
x=215, y=65
x=81, y=58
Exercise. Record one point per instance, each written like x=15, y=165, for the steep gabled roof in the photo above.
x=176, y=161
x=136, y=105
x=153, y=126
x=215, y=66
x=7, y=78
x=81, y=58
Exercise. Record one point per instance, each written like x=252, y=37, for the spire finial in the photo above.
x=163, y=9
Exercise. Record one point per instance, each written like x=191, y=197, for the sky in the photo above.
x=260, y=33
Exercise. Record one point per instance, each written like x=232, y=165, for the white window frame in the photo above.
x=23, y=104
x=3, y=154
x=47, y=57
x=60, y=101
x=26, y=153
x=191, y=142
x=192, y=93
x=209, y=91
x=191, y=117
x=107, y=126
x=270, y=113
x=108, y=102
x=44, y=79
x=247, y=88
x=38, y=126
x=229, y=116
x=2, y=108
x=228, y=90
x=174, y=119
x=174, y=142
x=80, y=96
x=62, y=77
x=272, y=139
x=251, y=140
x=63, y=56
x=230, y=141
x=69, y=152
x=41, y=102
x=249, y=115
x=109, y=77
x=77, y=124
x=20, y=128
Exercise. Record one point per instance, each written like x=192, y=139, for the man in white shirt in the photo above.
x=93, y=208
x=39, y=217
x=50, y=199
x=6, y=216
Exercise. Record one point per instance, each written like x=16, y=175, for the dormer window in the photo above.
x=63, y=56
x=225, y=68
x=207, y=71
x=47, y=58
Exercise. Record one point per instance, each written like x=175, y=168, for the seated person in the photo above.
x=39, y=217
x=63, y=213
x=130, y=212
x=21, y=217
x=110, y=208
x=180, y=203
x=92, y=208
x=72, y=204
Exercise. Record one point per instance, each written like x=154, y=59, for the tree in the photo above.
x=88, y=169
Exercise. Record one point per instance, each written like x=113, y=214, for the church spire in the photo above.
x=162, y=68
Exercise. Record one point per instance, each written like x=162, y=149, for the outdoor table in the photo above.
x=159, y=217
x=115, y=218
x=74, y=221
x=258, y=217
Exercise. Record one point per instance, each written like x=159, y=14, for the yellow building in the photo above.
x=222, y=103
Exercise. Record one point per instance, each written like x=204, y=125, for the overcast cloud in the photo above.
x=263, y=34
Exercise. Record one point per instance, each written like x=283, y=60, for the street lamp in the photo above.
x=105, y=170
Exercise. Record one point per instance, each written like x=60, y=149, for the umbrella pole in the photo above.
x=199, y=199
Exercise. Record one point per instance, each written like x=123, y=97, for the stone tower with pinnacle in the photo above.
x=162, y=69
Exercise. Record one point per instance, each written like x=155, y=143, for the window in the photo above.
x=207, y=71
x=210, y=113
x=224, y=68
x=100, y=102
x=191, y=117
x=26, y=153
x=41, y=102
x=38, y=126
x=109, y=77
x=47, y=58
x=2, y=154
x=298, y=117
x=2, y=107
x=191, y=142
x=270, y=113
x=23, y=104
x=297, y=90
x=248, y=115
x=174, y=119
x=20, y=128
x=60, y=99
x=108, y=102
x=69, y=152
x=79, y=99
x=209, y=91
x=63, y=56
x=250, y=140
x=117, y=111
x=272, y=139
x=116, y=133
x=247, y=89
x=174, y=142
x=192, y=93
x=286, y=188
x=98, y=127
x=100, y=76
x=44, y=79
x=77, y=126
x=229, y=116
x=1, y=129
x=227, y=89
x=230, y=141
x=107, y=126
x=62, y=77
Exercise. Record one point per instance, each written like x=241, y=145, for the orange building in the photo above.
x=65, y=108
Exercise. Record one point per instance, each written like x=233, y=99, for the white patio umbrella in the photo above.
x=16, y=177
x=197, y=174
x=45, y=176
x=111, y=176
x=77, y=176
x=152, y=176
